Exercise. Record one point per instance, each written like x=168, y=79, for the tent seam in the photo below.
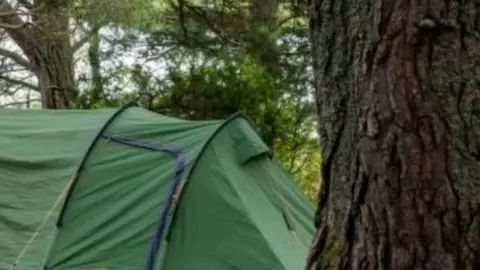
x=237, y=193
x=224, y=124
x=175, y=189
x=210, y=139
x=78, y=171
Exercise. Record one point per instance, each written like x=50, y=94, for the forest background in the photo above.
x=196, y=59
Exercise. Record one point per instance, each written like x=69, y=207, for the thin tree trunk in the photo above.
x=95, y=69
x=399, y=119
x=261, y=36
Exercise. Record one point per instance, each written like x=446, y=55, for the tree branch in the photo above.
x=77, y=45
x=12, y=12
x=13, y=26
x=10, y=91
x=181, y=15
x=26, y=4
x=21, y=35
x=9, y=15
x=18, y=82
x=16, y=103
x=17, y=58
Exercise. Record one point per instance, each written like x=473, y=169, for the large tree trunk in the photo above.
x=399, y=120
x=52, y=55
x=47, y=46
x=54, y=70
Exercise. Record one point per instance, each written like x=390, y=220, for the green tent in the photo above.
x=100, y=189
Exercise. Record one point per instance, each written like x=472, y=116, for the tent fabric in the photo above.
x=131, y=189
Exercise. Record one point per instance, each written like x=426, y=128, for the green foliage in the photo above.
x=136, y=14
x=218, y=63
x=217, y=88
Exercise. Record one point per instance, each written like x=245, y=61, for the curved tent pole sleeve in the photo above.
x=225, y=123
x=212, y=136
x=87, y=155
x=174, y=190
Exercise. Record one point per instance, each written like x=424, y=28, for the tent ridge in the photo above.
x=227, y=121
x=78, y=171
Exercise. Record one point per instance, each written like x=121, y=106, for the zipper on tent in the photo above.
x=176, y=187
x=77, y=173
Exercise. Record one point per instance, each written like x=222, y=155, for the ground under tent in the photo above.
x=131, y=189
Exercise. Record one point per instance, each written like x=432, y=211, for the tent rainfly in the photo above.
x=130, y=189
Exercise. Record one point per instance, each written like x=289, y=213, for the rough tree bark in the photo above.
x=95, y=68
x=399, y=119
x=46, y=44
